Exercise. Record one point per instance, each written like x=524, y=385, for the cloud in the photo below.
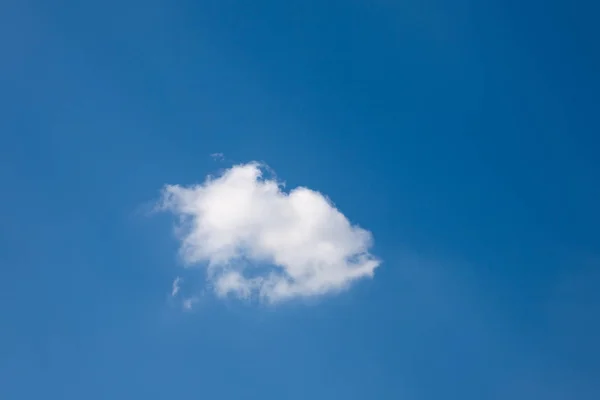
x=218, y=156
x=188, y=303
x=254, y=239
x=176, y=286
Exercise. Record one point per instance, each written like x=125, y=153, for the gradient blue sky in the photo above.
x=462, y=134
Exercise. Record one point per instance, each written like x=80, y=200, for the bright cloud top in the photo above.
x=256, y=239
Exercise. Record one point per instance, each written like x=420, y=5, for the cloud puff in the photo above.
x=255, y=239
x=188, y=303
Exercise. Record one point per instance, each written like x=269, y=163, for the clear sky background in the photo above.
x=464, y=135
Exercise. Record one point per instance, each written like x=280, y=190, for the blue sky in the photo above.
x=463, y=135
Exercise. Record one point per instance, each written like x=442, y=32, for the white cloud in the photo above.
x=255, y=239
x=176, y=286
x=188, y=303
